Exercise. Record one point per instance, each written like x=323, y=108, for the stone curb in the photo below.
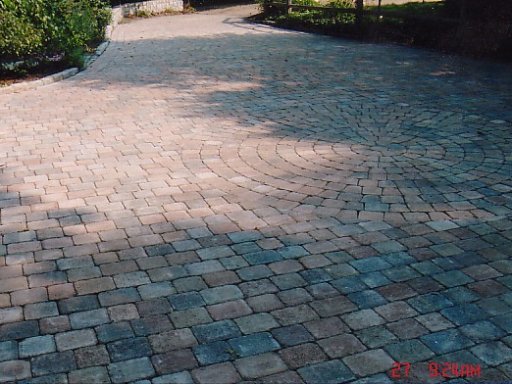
x=99, y=51
x=23, y=86
x=26, y=85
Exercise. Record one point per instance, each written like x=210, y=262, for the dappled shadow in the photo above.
x=314, y=115
x=299, y=66
x=290, y=119
x=288, y=124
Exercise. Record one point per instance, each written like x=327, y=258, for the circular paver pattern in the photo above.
x=389, y=147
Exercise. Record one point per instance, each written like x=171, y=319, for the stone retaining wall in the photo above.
x=152, y=6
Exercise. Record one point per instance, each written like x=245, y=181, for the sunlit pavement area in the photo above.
x=214, y=201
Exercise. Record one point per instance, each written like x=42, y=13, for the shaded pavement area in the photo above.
x=214, y=201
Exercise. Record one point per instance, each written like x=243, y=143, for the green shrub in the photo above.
x=43, y=29
x=19, y=35
x=341, y=4
x=326, y=20
x=342, y=18
x=311, y=3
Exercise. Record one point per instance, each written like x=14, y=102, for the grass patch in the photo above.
x=418, y=9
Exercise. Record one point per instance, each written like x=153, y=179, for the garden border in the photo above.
x=118, y=14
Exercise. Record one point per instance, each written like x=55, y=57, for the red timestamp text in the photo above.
x=401, y=370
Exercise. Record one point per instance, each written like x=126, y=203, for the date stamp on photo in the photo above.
x=402, y=370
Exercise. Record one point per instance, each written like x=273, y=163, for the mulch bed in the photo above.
x=45, y=69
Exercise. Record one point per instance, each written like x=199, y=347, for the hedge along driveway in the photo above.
x=41, y=30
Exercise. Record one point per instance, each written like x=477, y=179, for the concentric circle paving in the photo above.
x=408, y=155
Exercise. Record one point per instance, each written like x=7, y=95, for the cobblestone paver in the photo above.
x=214, y=201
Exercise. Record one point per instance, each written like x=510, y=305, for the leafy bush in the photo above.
x=341, y=4
x=19, y=34
x=326, y=21
x=311, y=3
x=342, y=18
x=44, y=29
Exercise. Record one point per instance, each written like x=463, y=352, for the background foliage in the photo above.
x=479, y=28
x=485, y=26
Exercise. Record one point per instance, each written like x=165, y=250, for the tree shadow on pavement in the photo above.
x=335, y=114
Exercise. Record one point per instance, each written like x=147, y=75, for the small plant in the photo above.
x=311, y=3
x=143, y=13
x=188, y=9
x=341, y=4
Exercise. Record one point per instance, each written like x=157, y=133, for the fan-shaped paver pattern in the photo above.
x=216, y=201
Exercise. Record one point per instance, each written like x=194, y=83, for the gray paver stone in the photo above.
x=219, y=373
x=89, y=375
x=256, y=323
x=370, y=362
x=302, y=355
x=154, y=324
x=341, y=346
x=253, y=344
x=294, y=315
x=14, y=370
x=219, y=330
x=87, y=319
x=362, y=319
x=53, y=363
x=38, y=345
x=91, y=356
x=40, y=310
x=183, y=377
x=131, y=370
x=410, y=351
x=19, y=330
x=8, y=350
x=261, y=365
x=75, y=339
x=216, y=352
x=128, y=349
x=229, y=310
x=493, y=353
x=175, y=339
x=333, y=371
x=174, y=361
x=8, y=315
x=292, y=335
x=221, y=294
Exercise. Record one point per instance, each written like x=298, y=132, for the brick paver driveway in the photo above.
x=214, y=201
